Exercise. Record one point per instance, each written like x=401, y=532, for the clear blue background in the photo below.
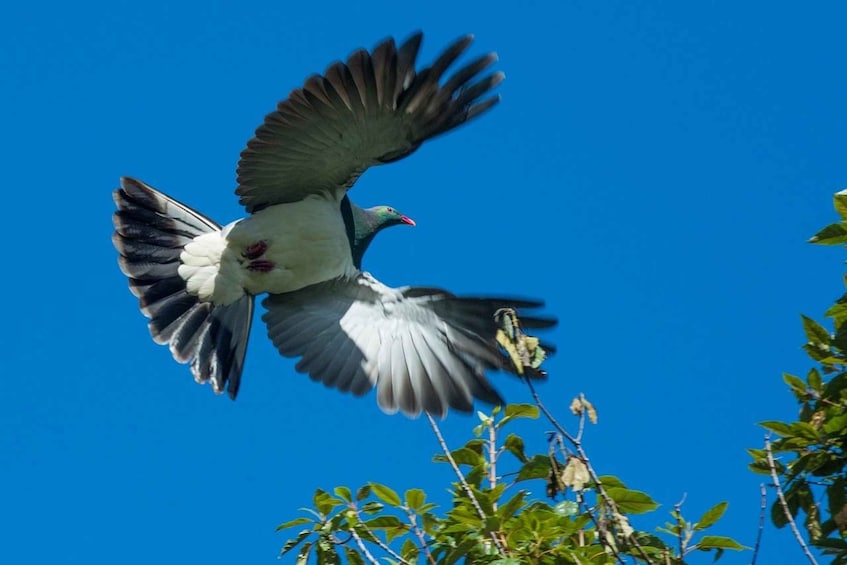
x=653, y=172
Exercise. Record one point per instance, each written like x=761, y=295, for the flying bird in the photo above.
x=303, y=241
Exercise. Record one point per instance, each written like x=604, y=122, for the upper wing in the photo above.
x=373, y=109
x=422, y=348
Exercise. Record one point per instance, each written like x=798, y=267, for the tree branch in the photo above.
x=375, y=538
x=363, y=548
x=462, y=480
x=787, y=511
x=762, y=507
x=607, y=500
x=680, y=524
x=420, y=535
x=492, y=455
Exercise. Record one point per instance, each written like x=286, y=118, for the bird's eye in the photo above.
x=390, y=210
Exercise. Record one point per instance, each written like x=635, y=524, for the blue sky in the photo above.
x=656, y=168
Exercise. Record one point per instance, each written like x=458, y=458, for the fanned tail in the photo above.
x=151, y=230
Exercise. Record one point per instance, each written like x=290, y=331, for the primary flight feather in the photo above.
x=423, y=349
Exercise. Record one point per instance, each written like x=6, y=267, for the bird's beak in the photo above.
x=407, y=220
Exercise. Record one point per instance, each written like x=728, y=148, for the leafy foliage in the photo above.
x=497, y=515
x=809, y=459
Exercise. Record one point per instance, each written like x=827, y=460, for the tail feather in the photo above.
x=151, y=230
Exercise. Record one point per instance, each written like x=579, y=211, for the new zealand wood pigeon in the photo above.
x=303, y=241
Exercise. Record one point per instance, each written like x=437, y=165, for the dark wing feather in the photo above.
x=423, y=349
x=372, y=109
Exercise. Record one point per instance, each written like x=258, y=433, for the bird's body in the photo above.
x=303, y=241
x=278, y=249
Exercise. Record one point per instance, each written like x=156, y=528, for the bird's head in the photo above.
x=384, y=216
x=367, y=222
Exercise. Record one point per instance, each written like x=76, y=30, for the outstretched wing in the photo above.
x=373, y=109
x=423, y=349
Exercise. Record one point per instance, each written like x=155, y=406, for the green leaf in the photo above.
x=363, y=492
x=344, y=494
x=508, y=509
x=760, y=466
x=777, y=427
x=466, y=456
x=513, y=411
x=778, y=517
x=384, y=523
x=522, y=411
x=292, y=523
x=353, y=556
x=415, y=498
x=815, y=333
x=325, y=552
x=372, y=507
x=839, y=201
x=536, y=468
x=631, y=501
x=324, y=502
x=835, y=386
x=711, y=516
x=839, y=342
x=611, y=481
x=835, y=425
x=820, y=352
x=514, y=445
x=814, y=380
x=804, y=430
x=303, y=555
x=462, y=456
x=837, y=498
x=718, y=542
x=294, y=542
x=386, y=494
x=833, y=234
x=832, y=544
x=460, y=550
x=409, y=551
x=796, y=384
x=838, y=313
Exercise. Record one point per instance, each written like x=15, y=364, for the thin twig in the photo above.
x=580, y=498
x=584, y=458
x=601, y=528
x=363, y=548
x=779, y=494
x=762, y=508
x=420, y=535
x=492, y=456
x=462, y=480
x=680, y=523
x=375, y=539
x=581, y=419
